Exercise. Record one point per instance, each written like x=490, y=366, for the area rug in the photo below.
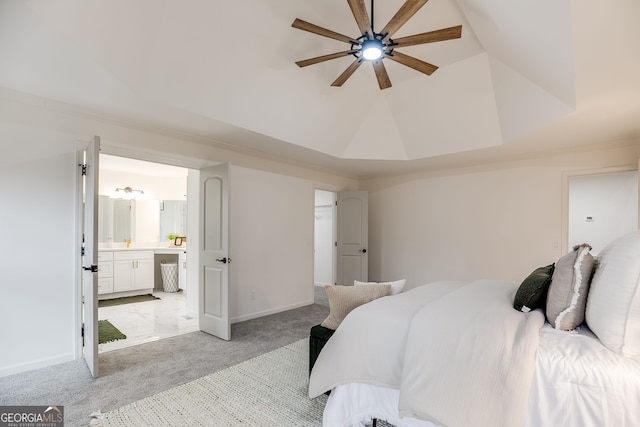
x=107, y=332
x=268, y=390
x=126, y=300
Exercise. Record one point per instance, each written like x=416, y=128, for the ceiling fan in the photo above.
x=374, y=46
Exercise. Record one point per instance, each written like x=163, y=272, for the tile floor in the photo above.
x=149, y=321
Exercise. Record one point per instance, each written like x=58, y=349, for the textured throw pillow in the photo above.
x=343, y=299
x=532, y=292
x=613, y=307
x=569, y=288
x=396, y=286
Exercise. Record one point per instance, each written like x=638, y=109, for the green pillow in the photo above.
x=532, y=293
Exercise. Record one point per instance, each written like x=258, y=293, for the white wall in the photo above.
x=610, y=200
x=154, y=187
x=499, y=221
x=271, y=243
x=38, y=266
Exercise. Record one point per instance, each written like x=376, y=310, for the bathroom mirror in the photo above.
x=115, y=219
x=173, y=218
x=145, y=221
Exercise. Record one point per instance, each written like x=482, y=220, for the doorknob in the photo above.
x=364, y=251
x=222, y=260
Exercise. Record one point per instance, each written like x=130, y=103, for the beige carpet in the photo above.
x=268, y=390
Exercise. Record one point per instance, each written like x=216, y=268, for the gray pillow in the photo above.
x=532, y=293
x=569, y=288
x=343, y=299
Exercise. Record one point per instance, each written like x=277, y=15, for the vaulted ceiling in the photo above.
x=524, y=76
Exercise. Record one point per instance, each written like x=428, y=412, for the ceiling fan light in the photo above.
x=372, y=49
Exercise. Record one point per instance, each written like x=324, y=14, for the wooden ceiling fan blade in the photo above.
x=430, y=37
x=312, y=28
x=406, y=11
x=359, y=11
x=410, y=61
x=323, y=58
x=381, y=74
x=347, y=73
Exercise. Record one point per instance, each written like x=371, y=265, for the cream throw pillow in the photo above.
x=343, y=299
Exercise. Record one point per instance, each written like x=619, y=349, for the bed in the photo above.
x=455, y=353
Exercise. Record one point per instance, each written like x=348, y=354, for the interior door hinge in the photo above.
x=84, y=169
x=82, y=251
x=82, y=334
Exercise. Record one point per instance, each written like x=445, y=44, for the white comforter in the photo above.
x=457, y=352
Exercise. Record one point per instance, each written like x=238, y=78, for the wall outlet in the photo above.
x=252, y=294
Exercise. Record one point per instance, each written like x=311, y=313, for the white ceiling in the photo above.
x=525, y=76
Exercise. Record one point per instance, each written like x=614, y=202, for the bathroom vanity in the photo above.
x=127, y=272
x=132, y=268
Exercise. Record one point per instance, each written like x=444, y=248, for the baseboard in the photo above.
x=37, y=364
x=321, y=284
x=270, y=311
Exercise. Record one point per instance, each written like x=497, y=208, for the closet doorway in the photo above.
x=325, y=238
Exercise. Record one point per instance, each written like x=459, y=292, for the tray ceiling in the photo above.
x=225, y=70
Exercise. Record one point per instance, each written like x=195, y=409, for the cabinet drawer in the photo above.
x=105, y=269
x=105, y=256
x=124, y=255
x=105, y=285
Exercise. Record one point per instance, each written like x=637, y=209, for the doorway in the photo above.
x=325, y=230
x=145, y=222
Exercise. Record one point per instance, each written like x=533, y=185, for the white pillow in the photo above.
x=613, y=305
x=396, y=286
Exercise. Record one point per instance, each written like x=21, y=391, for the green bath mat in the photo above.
x=107, y=332
x=126, y=300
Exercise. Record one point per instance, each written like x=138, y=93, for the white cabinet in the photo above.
x=132, y=270
x=105, y=272
x=182, y=270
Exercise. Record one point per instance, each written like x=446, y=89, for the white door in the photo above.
x=353, y=237
x=602, y=206
x=90, y=257
x=213, y=268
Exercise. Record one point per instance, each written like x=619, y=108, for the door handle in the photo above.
x=223, y=260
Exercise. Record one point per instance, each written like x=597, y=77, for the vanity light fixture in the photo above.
x=127, y=193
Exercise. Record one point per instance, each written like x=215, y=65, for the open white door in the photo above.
x=353, y=237
x=213, y=275
x=90, y=257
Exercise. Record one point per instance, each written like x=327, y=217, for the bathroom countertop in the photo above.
x=155, y=249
